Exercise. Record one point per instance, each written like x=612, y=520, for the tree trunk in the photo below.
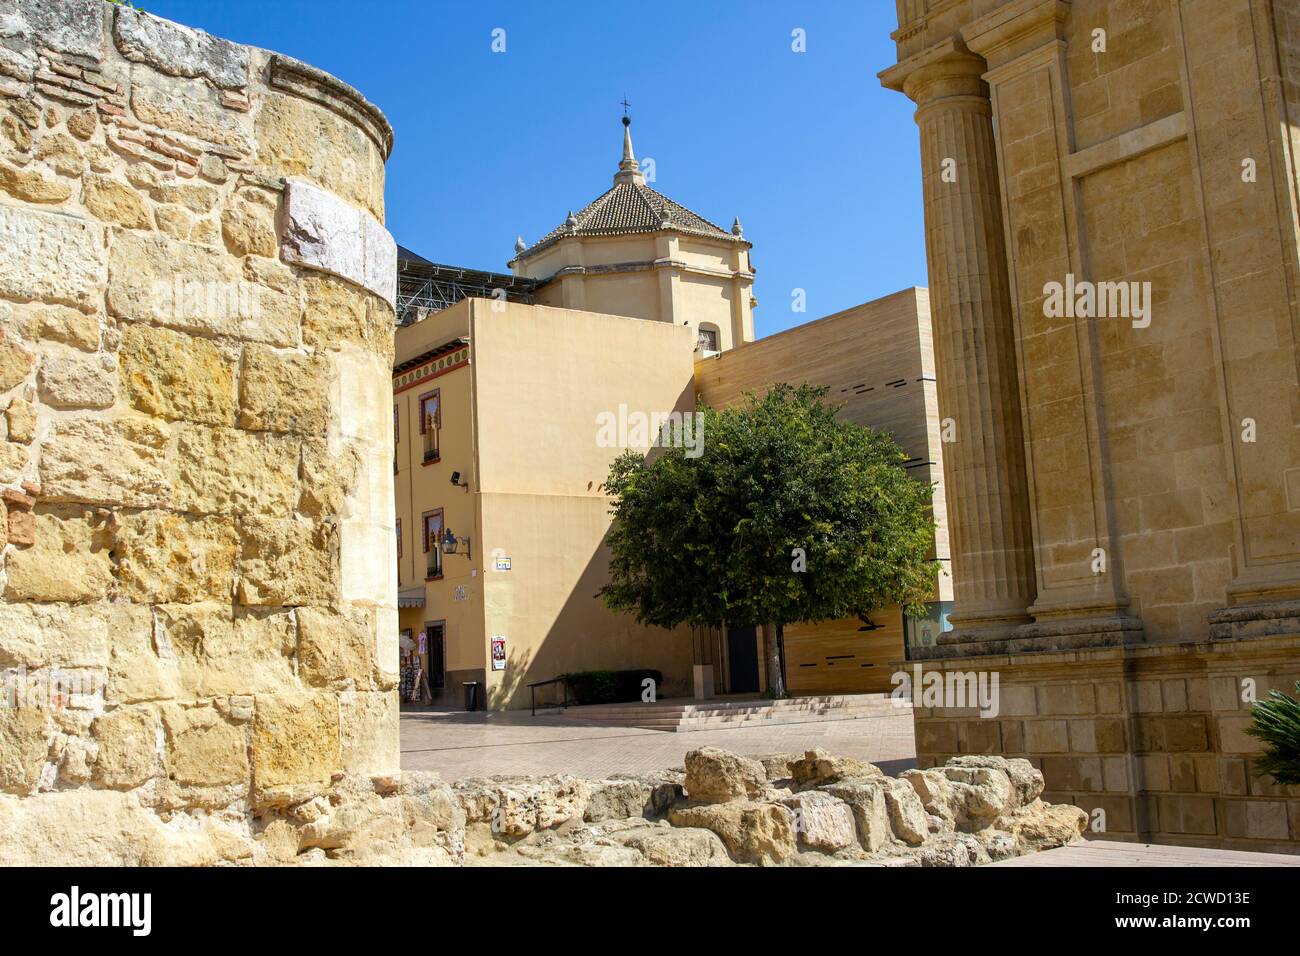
x=775, y=654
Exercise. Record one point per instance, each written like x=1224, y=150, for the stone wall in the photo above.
x=198, y=605
x=1137, y=570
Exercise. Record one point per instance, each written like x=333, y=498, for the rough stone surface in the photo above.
x=179, y=51
x=68, y=561
x=226, y=619
x=176, y=557
x=29, y=240
x=177, y=376
x=284, y=392
x=115, y=202
x=761, y=833
x=119, y=461
x=23, y=748
x=822, y=821
x=77, y=380
x=243, y=472
x=716, y=776
x=321, y=232
x=818, y=767
x=203, y=747
x=128, y=747
x=32, y=185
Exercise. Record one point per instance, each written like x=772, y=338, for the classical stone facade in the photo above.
x=1111, y=227
x=198, y=621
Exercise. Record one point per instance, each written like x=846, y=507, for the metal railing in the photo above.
x=532, y=691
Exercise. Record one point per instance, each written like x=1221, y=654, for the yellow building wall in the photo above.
x=542, y=376
x=456, y=597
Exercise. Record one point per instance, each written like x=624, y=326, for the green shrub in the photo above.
x=609, y=687
x=1277, y=724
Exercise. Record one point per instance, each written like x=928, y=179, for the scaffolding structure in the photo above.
x=424, y=287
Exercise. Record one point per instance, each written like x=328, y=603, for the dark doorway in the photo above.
x=742, y=659
x=437, y=642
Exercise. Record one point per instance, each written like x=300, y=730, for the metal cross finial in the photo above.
x=626, y=104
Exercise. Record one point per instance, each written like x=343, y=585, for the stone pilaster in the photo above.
x=984, y=467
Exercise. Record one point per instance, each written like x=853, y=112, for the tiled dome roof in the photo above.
x=629, y=206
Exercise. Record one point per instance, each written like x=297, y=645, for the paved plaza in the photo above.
x=457, y=744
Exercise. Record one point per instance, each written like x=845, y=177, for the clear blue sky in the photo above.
x=820, y=162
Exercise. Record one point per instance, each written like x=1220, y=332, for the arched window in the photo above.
x=708, y=338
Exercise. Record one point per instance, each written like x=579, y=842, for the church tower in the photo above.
x=633, y=251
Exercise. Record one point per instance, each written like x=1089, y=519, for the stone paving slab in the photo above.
x=1113, y=853
x=457, y=744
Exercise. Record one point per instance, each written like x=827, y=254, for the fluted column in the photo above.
x=974, y=344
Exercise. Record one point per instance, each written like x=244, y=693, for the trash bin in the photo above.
x=471, y=694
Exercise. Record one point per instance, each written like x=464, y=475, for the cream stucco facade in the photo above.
x=520, y=408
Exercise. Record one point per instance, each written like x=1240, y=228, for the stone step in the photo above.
x=727, y=714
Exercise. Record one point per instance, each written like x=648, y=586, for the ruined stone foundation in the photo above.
x=814, y=809
x=197, y=589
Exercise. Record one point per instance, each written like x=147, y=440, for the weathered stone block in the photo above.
x=33, y=184
x=323, y=232
x=203, y=748
x=177, y=376
x=821, y=821
x=77, y=380
x=24, y=745
x=249, y=230
x=128, y=747
x=218, y=653
x=121, y=461
x=288, y=562
x=195, y=288
x=242, y=472
x=334, y=647
x=69, y=561
x=338, y=312
x=74, y=26
x=368, y=726
x=16, y=363
x=284, y=391
x=62, y=153
x=303, y=139
x=168, y=557
x=295, y=740
x=761, y=833
x=56, y=323
x=20, y=418
x=191, y=107
x=116, y=202
x=717, y=776
x=179, y=51
x=29, y=240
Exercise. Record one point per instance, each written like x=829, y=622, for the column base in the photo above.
x=1246, y=621
x=1055, y=635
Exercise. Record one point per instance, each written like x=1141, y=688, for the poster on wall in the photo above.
x=498, y=653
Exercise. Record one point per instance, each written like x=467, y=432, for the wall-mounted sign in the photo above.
x=459, y=593
x=499, y=653
x=503, y=563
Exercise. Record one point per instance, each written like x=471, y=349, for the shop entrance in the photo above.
x=435, y=662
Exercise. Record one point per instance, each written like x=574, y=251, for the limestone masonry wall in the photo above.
x=197, y=583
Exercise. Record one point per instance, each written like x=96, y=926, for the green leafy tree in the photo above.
x=1277, y=724
x=788, y=515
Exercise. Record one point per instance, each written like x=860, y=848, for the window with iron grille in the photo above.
x=431, y=423
x=433, y=543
